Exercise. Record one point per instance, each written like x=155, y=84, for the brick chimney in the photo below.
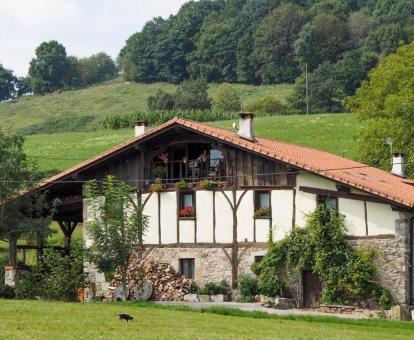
x=398, y=164
x=141, y=126
x=246, y=126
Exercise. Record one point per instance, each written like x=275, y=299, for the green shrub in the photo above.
x=161, y=101
x=29, y=284
x=192, y=95
x=7, y=292
x=267, y=106
x=247, y=288
x=347, y=276
x=211, y=288
x=227, y=99
x=193, y=288
x=57, y=277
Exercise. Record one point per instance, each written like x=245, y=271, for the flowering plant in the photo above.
x=187, y=212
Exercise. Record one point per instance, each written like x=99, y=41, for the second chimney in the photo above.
x=141, y=126
x=398, y=164
x=246, y=126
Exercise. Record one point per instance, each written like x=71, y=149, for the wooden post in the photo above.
x=13, y=250
x=67, y=227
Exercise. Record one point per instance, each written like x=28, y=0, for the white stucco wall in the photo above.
x=245, y=217
x=262, y=230
x=354, y=212
x=310, y=180
x=224, y=218
x=204, y=199
x=381, y=219
x=168, y=217
x=282, y=210
x=187, y=230
x=151, y=210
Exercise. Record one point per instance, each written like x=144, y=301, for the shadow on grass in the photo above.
x=234, y=312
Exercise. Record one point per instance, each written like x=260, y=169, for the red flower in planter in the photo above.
x=187, y=212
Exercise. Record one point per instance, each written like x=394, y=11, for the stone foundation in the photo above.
x=211, y=264
x=391, y=262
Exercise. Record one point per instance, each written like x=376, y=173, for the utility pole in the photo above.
x=306, y=89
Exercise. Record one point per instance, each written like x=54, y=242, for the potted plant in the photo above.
x=207, y=184
x=159, y=172
x=156, y=187
x=262, y=213
x=182, y=184
x=187, y=212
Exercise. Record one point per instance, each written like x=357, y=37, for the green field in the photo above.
x=84, y=110
x=331, y=132
x=57, y=320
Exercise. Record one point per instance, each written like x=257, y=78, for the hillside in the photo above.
x=84, y=110
x=331, y=132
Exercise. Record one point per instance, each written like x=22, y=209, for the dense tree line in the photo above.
x=270, y=42
x=11, y=86
x=52, y=69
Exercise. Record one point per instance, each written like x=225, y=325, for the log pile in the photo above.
x=167, y=284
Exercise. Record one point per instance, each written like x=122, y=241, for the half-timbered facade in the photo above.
x=222, y=191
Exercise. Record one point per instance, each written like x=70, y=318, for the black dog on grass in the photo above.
x=126, y=317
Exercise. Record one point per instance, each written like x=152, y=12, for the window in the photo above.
x=187, y=268
x=330, y=202
x=262, y=204
x=258, y=258
x=186, y=205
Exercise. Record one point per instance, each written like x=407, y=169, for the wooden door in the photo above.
x=312, y=289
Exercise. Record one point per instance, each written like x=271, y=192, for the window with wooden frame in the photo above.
x=258, y=258
x=330, y=202
x=187, y=207
x=187, y=268
x=262, y=206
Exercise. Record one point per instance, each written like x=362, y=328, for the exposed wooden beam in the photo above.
x=339, y=194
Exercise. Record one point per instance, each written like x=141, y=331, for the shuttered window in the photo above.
x=187, y=268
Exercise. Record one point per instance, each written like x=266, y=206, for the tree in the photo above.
x=359, y=27
x=227, y=99
x=96, y=69
x=7, y=84
x=215, y=56
x=386, y=103
x=274, y=44
x=48, y=70
x=20, y=214
x=322, y=39
x=118, y=225
x=161, y=101
x=192, y=95
x=324, y=92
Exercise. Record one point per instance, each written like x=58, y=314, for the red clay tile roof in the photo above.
x=339, y=169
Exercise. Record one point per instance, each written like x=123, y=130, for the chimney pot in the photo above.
x=141, y=126
x=398, y=164
x=246, y=126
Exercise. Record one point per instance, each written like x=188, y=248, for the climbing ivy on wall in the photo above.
x=347, y=275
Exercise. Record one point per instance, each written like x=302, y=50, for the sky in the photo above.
x=84, y=27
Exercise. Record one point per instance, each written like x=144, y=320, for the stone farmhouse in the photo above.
x=241, y=186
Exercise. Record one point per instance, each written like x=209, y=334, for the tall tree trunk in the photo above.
x=124, y=285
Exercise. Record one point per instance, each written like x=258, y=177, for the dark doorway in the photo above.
x=312, y=289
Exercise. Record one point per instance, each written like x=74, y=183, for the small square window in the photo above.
x=186, y=205
x=187, y=268
x=262, y=204
x=330, y=202
x=258, y=258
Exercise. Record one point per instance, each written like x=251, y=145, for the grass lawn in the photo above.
x=91, y=105
x=57, y=320
x=330, y=132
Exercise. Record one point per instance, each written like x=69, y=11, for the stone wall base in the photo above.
x=11, y=275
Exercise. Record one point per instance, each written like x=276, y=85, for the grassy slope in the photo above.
x=52, y=320
x=331, y=132
x=115, y=97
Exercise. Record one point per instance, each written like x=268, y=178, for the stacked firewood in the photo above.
x=167, y=284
